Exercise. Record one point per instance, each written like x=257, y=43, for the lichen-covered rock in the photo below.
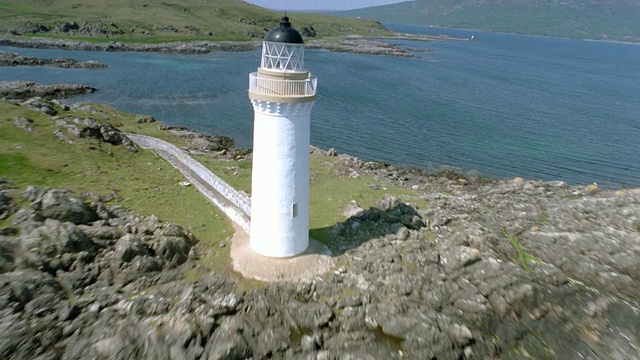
x=199, y=141
x=113, y=136
x=58, y=205
x=175, y=250
x=32, y=93
x=227, y=342
x=6, y=204
x=15, y=59
x=101, y=131
x=67, y=237
x=491, y=270
x=23, y=123
x=128, y=247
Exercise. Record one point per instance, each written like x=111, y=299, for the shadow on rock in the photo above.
x=392, y=219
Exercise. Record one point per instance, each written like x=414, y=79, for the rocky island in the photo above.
x=15, y=59
x=23, y=90
x=440, y=266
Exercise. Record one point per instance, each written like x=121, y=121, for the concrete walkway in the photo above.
x=237, y=206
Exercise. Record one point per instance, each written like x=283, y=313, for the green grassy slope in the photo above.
x=144, y=182
x=582, y=19
x=329, y=194
x=147, y=184
x=165, y=20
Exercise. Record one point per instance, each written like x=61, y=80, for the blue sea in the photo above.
x=503, y=105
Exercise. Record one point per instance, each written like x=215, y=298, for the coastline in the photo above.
x=24, y=90
x=369, y=45
x=427, y=273
x=15, y=59
x=196, y=47
x=223, y=147
x=519, y=34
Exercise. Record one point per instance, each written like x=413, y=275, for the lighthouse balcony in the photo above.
x=265, y=88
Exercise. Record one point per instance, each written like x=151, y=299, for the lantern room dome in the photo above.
x=284, y=33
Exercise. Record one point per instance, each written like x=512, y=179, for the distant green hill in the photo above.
x=168, y=20
x=583, y=19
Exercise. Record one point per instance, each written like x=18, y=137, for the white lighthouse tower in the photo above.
x=282, y=93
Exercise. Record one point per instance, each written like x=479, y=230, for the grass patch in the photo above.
x=578, y=283
x=234, y=173
x=430, y=236
x=523, y=256
x=142, y=21
x=328, y=194
x=541, y=351
x=128, y=122
x=145, y=183
x=545, y=218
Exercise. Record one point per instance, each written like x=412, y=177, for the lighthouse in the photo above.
x=282, y=93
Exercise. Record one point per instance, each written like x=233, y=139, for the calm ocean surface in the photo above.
x=503, y=105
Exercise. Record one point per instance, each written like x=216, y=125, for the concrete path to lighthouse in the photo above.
x=237, y=206
x=233, y=203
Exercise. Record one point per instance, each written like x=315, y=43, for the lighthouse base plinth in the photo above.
x=314, y=261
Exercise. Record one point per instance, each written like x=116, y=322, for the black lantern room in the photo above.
x=283, y=49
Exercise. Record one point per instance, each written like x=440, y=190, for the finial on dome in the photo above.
x=285, y=21
x=284, y=33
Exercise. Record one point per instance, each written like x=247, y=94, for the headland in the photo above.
x=426, y=265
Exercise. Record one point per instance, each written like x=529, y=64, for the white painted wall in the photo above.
x=280, y=178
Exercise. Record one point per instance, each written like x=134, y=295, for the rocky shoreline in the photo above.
x=15, y=59
x=23, y=90
x=379, y=45
x=362, y=45
x=196, y=47
x=351, y=44
x=467, y=268
x=85, y=280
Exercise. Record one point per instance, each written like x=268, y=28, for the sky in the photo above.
x=294, y=5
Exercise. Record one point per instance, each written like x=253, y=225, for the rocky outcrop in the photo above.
x=487, y=271
x=107, y=133
x=91, y=128
x=200, y=141
x=15, y=59
x=362, y=45
x=502, y=268
x=23, y=123
x=308, y=32
x=195, y=47
x=379, y=45
x=23, y=90
x=71, y=28
x=69, y=263
x=6, y=201
x=70, y=127
x=369, y=45
x=460, y=267
x=221, y=146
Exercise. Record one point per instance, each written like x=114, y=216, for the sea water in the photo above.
x=502, y=105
